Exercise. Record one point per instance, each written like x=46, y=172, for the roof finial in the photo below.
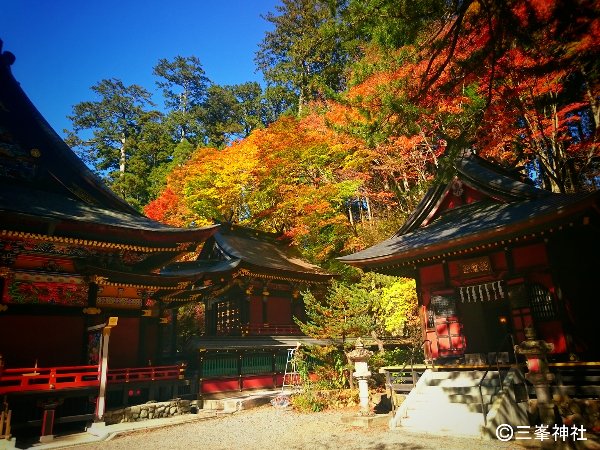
x=6, y=57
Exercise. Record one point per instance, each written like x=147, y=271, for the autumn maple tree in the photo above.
x=516, y=81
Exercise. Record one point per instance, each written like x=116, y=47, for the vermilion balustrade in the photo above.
x=149, y=373
x=69, y=377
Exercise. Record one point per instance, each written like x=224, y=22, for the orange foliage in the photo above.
x=165, y=208
x=403, y=111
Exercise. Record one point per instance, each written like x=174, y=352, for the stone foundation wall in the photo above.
x=149, y=410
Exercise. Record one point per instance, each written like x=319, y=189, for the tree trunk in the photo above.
x=350, y=371
x=369, y=215
x=379, y=341
x=122, y=157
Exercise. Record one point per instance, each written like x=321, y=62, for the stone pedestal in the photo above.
x=8, y=444
x=359, y=356
x=98, y=429
x=367, y=421
x=538, y=373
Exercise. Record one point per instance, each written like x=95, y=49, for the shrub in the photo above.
x=308, y=401
x=328, y=363
x=312, y=399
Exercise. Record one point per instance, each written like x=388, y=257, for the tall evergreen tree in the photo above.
x=300, y=54
x=185, y=87
x=250, y=106
x=105, y=131
x=220, y=116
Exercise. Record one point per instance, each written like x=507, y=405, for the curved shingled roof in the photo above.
x=510, y=209
x=46, y=189
x=252, y=250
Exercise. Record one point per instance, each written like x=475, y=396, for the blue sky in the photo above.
x=63, y=47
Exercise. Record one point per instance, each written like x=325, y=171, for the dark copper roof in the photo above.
x=46, y=189
x=263, y=250
x=511, y=209
x=255, y=251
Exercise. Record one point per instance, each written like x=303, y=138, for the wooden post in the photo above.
x=239, y=369
x=101, y=403
x=174, y=326
x=274, y=368
x=5, y=423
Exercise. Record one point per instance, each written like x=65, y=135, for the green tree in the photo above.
x=250, y=108
x=221, y=116
x=184, y=85
x=277, y=100
x=394, y=308
x=153, y=158
x=105, y=131
x=342, y=315
x=375, y=304
x=300, y=54
x=390, y=23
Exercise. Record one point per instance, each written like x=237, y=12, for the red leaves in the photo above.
x=161, y=208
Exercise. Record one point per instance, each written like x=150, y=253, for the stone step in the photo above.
x=463, y=382
x=447, y=413
x=467, y=391
x=574, y=390
x=576, y=377
x=237, y=403
x=465, y=424
x=445, y=391
x=455, y=374
x=460, y=429
x=433, y=407
x=423, y=401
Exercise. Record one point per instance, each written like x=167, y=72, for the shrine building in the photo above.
x=505, y=275
x=492, y=255
x=88, y=283
x=252, y=305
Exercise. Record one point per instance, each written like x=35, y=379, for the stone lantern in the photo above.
x=359, y=356
x=538, y=373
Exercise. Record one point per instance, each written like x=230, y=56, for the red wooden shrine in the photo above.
x=252, y=300
x=73, y=255
x=492, y=255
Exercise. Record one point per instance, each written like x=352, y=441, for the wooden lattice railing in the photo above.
x=270, y=330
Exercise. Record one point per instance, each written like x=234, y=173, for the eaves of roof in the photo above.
x=472, y=225
x=53, y=214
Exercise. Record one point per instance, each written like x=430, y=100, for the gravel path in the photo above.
x=270, y=428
